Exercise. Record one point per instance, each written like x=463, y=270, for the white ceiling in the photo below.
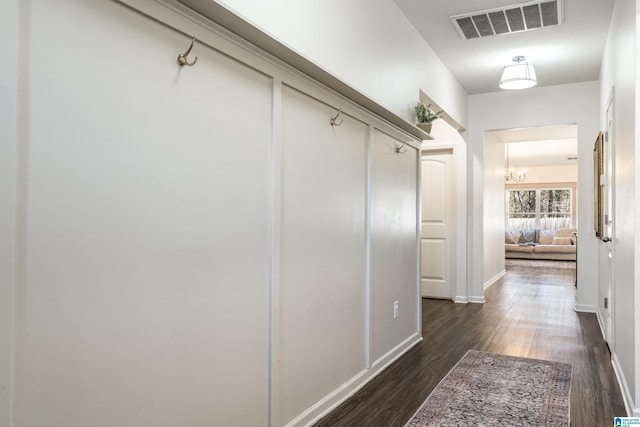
x=541, y=146
x=566, y=53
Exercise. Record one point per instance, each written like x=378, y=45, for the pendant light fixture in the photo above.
x=520, y=75
x=509, y=177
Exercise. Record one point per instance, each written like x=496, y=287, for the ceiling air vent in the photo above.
x=509, y=19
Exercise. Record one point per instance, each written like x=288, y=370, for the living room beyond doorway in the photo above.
x=530, y=195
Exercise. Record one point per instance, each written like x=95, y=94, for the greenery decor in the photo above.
x=425, y=114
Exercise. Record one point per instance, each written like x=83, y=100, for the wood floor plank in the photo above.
x=528, y=313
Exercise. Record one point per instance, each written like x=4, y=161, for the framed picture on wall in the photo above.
x=598, y=196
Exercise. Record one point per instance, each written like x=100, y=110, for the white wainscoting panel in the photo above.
x=198, y=245
x=394, y=178
x=144, y=210
x=322, y=311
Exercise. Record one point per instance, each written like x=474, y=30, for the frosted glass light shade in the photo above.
x=518, y=76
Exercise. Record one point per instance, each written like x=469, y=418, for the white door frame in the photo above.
x=609, y=224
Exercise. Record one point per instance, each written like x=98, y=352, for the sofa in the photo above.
x=534, y=243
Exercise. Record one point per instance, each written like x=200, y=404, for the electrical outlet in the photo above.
x=395, y=309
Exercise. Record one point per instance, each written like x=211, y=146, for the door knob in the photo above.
x=606, y=239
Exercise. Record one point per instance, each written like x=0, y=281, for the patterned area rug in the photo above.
x=486, y=389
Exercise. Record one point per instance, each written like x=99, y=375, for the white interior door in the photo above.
x=437, y=224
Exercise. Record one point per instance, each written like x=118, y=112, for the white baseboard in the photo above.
x=585, y=308
x=494, y=279
x=624, y=388
x=632, y=411
x=622, y=382
x=601, y=324
x=346, y=390
x=477, y=300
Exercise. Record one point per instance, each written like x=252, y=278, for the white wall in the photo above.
x=393, y=252
x=143, y=245
x=493, y=210
x=322, y=304
x=9, y=19
x=555, y=105
x=552, y=174
x=367, y=43
x=619, y=76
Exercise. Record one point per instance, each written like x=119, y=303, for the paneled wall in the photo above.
x=198, y=245
x=323, y=304
x=144, y=213
x=394, y=257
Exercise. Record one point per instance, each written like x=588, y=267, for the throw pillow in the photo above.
x=562, y=240
x=512, y=237
x=546, y=237
x=529, y=235
x=565, y=232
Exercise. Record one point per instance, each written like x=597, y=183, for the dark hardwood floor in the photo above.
x=529, y=313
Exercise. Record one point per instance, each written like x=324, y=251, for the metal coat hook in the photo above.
x=400, y=149
x=182, y=58
x=333, y=119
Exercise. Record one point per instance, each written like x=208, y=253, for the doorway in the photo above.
x=540, y=158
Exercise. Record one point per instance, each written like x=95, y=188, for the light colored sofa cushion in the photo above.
x=562, y=249
x=562, y=241
x=517, y=248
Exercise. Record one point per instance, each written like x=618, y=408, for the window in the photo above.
x=521, y=209
x=547, y=209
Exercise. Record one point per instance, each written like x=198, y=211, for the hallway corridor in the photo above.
x=528, y=313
